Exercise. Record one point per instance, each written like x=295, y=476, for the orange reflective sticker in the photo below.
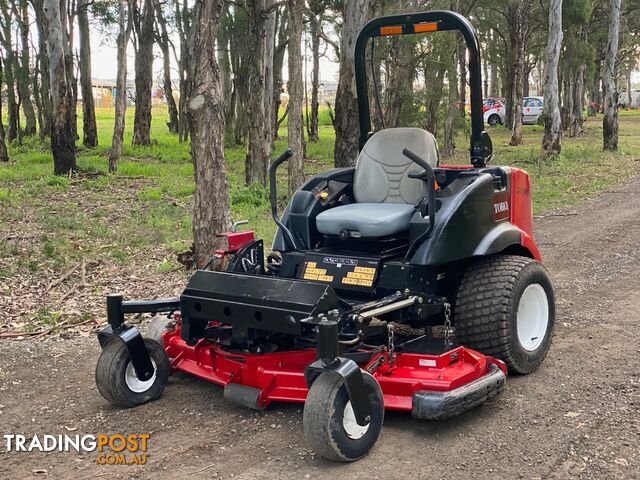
x=425, y=27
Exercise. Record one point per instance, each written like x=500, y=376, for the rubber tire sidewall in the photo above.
x=497, y=122
x=323, y=418
x=526, y=361
x=111, y=370
x=486, y=309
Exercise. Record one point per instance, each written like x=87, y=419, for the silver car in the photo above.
x=532, y=109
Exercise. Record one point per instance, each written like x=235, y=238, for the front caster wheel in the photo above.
x=116, y=379
x=329, y=422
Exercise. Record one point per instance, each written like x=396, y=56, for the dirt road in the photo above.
x=577, y=417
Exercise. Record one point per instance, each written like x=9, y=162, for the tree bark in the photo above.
x=278, y=62
x=452, y=111
x=355, y=14
x=43, y=67
x=63, y=140
x=577, y=118
x=167, y=86
x=552, y=139
x=4, y=155
x=610, y=120
x=401, y=74
x=9, y=70
x=143, y=25
x=316, y=25
x=519, y=14
x=211, y=212
x=259, y=136
x=296, y=96
x=24, y=73
x=462, y=76
x=89, y=128
x=124, y=31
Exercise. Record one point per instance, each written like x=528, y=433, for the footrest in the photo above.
x=430, y=405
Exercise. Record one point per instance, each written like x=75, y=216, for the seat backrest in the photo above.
x=382, y=169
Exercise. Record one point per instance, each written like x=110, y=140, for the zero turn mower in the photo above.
x=399, y=284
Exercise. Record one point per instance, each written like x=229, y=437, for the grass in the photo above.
x=147, y=205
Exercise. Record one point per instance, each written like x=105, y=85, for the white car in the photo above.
x=532, y=109
x=494, y=112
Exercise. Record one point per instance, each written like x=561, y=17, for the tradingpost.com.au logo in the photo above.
x=113, y=449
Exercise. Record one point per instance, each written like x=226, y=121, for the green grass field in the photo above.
x=147, y=205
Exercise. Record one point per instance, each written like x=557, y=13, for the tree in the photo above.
x=63, y=140
x=44, y=89
x=125, y=25
x=518, y=14
x=162, y=36
x=143, y=19
x=296, y=96
x=610, y=120
x=552, y=140
x=23, y=68
x=4, y=155
x=354, y=14
x=89, y=128
x=9, y=69
x=211, y=213
x=259, y=63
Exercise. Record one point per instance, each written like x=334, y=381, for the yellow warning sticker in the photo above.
x=370, y=271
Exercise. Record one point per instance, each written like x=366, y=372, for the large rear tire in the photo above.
x=505, y=308
x=329, y=422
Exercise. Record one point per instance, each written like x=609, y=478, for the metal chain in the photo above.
x=448, y=330
x=390, y=343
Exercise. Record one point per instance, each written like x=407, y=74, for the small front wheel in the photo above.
x=116, y=378
x=330, y=424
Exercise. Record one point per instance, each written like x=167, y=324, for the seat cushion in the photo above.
x=368, y=219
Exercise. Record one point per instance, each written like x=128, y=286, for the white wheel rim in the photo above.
x=350, y=425
x=134, y=383
x=533, y=317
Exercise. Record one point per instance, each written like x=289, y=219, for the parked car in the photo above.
x=532, y=109
x=494, y=111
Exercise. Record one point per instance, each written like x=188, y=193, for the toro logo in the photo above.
x=501, y=209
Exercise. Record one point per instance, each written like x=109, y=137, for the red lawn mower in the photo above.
x=399, y=284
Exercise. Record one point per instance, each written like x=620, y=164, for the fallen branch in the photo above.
x=62, y=279
x=569, y=214
x=41, y=333
x=202, y=469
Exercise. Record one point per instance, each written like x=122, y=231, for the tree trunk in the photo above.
x=315, y=21
x=167, y=86
x=9, y=66
x=355, y=14
x=296, y=96
x=89, y=128
x=401, y=72
x=519, y=31
x=63, y=141
x=462, y=77
x=278, y=62
x=577, y=118
x=143, y=24
x=124, y=31
x=452, y=111
x=610, y=120
x=211, y=212
x=4, y=155
x=43, y=67
x=24, y=74
x=259, y=147
x=552, y=139
x=224, y=62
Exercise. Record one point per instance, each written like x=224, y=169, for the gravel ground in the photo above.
x=576, y=417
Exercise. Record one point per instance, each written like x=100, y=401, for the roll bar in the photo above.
x=481, y=149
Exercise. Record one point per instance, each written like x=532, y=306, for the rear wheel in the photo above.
x=505, y=308
x=494, y=120
x=329, y=422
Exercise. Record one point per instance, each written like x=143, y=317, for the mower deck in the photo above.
x=431, y=386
